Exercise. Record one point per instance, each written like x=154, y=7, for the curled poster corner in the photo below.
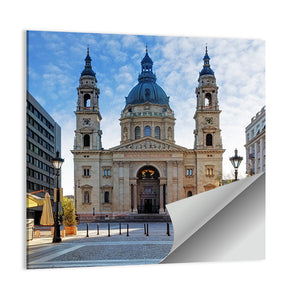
x=224, y=224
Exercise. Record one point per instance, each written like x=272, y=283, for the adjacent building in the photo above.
x=43, y=140
x=256, y=144
x=147, y=170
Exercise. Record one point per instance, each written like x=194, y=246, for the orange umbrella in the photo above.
x=47, y=215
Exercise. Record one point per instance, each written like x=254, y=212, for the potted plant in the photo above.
x=69, y=218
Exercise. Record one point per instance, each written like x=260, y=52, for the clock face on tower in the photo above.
x=209, y=121
x=86, y=121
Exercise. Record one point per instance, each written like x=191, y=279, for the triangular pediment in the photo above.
x=148, y=144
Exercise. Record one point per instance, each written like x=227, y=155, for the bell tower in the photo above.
x=208, y=142
x=207, y=132
x=88, y=117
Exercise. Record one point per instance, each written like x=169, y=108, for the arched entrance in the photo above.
x=148, y=200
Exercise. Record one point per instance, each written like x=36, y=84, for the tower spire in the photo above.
x=88, y=66
x=206, y=70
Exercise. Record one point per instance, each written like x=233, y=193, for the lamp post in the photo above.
x=57, y=163
x=236, y=161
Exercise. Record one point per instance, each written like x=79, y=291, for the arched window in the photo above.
x=87, y=100
x=86, y=140
x=189, y=193
x=208, y=101
x=147, y=131
x=106, y=197
x=86, y=197
x=209, y=140
x=137, y=132
x=157, y=132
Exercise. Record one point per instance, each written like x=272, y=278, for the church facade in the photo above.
x=147, y=170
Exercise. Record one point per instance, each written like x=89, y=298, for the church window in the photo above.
x=208, y=101
x=147, y=131
x=86, y=140
x=137, y=132
x=209, y=171
x=86, y=197
x=189, y=172
x=147, y=94
x=106, y=197
x=157, y=132
x=87, y=100
x=209, y=140
x=86, y=172
x=189, y=193
x=106, y=172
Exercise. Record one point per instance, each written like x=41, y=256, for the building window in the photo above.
x=137, y=132
x=87, y=100
x=147, y=131
x=189, y=193
x=86, y=197
x=86, y=172
x=106, y=197
x=208, y=101
x=106, y=172
x=189, y=172
x=157, y=132
x=86, y=140
x=209, y=140
x=209, y=171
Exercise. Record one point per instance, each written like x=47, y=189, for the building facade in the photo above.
x=256, y=144
x=147, y=170
x=43, y=139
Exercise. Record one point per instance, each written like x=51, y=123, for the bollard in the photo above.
x=145, y=229
x=120, y=229
x=168, y=229
x=97, y=229
x=87, y=230
x=108, y=228
x=127, y=229
x=147, y=234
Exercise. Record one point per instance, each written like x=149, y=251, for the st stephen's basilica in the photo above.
x=147, y=170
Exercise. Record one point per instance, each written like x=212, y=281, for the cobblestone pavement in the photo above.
x=101, y=249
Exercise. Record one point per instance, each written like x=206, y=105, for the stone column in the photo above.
x=180, y=180
x=126, y=196
x=169, y=182
x=135, y=198
x=161, y=197
x=115, y=204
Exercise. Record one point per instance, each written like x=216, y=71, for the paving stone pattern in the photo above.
x=102, y=250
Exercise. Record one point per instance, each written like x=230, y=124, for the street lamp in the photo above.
x=236, y=161
x=57, y=163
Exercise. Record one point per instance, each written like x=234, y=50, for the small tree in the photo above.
x=69, y=217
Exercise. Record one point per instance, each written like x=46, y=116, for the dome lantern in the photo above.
x=147, y=90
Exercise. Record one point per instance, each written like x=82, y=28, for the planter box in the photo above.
x=70, y=230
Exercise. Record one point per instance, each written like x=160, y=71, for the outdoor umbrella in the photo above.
x=47, y=215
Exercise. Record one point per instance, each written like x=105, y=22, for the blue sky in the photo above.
x=56, y=59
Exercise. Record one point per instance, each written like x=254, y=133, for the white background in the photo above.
x=276, y=277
